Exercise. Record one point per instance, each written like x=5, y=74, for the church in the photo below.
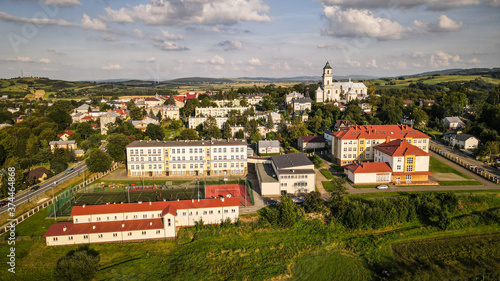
x=339, y=91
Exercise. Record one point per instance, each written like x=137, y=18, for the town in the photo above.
x=145, y=168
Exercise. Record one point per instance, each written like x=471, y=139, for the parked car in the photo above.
x=70, y=170
x=382, y=186
x=496, y=178
x=443, y=152
x=3, y=203
x=479, y=170
x=298, y=201
x=472, y=166
x=36, y=187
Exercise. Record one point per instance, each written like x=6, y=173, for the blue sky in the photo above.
x=166, y=39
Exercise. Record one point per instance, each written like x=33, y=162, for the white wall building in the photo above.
x=193, y=122
x=138, y=221
x=219, y=111
x=336, y=91
x=269, y=146
x=187, y=158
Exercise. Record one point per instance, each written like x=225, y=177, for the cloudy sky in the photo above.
x=166, y=39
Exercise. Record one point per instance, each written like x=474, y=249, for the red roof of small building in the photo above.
x=69, y=133
x=88, y=117
x=151, y=99
x=191, y=95
x=400, y=148
x=312, y=139
x=57, y=229
x=120, y=111
x=379, y=132
x=407, y=101
x=179, y=98
x=172, y=206
x=369, y=167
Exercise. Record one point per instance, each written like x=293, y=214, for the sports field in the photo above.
x=229, y=190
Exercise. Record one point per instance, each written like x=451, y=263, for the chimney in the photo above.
x=83, y=206
x=149, y=203
x=150, y=223
x=93, y=227
x=140, y=202
x=65, y=228
x=123, y=225
x=222, y=199
x=198, y=199
x=192, y=200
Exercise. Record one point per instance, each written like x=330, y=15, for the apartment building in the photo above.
x=355, y=143
x=138, y=221
x=219, y=111
x=216, y=157
x=194, y=122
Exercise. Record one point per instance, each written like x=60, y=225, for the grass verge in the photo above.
x=326, y=173
x=436, y=166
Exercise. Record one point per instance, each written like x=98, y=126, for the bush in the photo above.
x=313, y=202
x=80, y=264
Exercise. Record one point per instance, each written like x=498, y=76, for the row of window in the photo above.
x=86, y=236
x=210, y=212
x=361, y=156
x=293, y=177
x=191, y=150
x=355, y=149
x=150, y=167
x=378, y=141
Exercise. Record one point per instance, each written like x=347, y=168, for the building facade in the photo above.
x=336, y=91
x=219, y=111
x=187, y=158
x=138, y=221
x=355, y=143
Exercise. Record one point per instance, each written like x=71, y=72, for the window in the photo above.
x=135, y=216
x=70, y=238
x=399, y=159
x=115, y=234
x=205, y=212
x=367, y=155
x=226, y=211
x=409, y=161
x=54, y=239
x=183, y=213
x=85, y=236
x=144, y=232
x=233, y=211
x=99, y=236
x=211, y=212
x=361, y=149
x=169, y=222
x=408, y=178
x=398, y=167
x=409, y=168
x=361, y=142
x=158, y=231
x=129, y=234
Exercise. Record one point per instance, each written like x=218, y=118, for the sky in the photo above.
x=167, y=39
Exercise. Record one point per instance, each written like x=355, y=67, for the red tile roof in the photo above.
x=120, y=111
x=191, y=95
x=172, y=206
x=57, y=229
x=379, y=132
x=179, y=98
x=369, y=167
x=400, y=148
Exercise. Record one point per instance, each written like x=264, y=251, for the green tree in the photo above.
x=81, y=264
x=188, y=134
x=98, y=161
x=255, y=137
x=240, y=134
x=170, y=101
x=190, y=107
x=154, y=132
x=210, y=129
x=48, y=135
x=136, y=113
x=116, y=147
x=226, y=132
x=243, y=102
x=61, y=118
x=313, y=202
x=288, y=212
x=270, y=122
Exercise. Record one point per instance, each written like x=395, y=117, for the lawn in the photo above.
x=326, y=173
x=337, y=167
x=459, y=183
x=436, y=166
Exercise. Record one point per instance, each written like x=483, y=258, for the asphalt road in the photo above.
x=24, y=196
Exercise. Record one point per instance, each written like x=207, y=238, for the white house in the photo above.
x=289, y=173
x=269, y=146
x=465, y=141
x=293, y=95
x=138, y=221
x=453, y=122
x=301, y=104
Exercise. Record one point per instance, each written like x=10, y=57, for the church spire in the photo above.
x=327, y=66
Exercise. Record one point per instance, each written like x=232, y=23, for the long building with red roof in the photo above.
x=356, y=143
x=138, y=221
x=397, y=161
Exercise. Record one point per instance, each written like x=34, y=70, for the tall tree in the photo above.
x=226, y=132
x=155, y=132
x=188, y=134
x=98, y=161
x=116, y=147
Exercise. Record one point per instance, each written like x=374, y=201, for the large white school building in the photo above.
x=138, y=221
x=216, y=157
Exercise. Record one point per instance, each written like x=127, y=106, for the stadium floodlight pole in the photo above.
x=54, y=200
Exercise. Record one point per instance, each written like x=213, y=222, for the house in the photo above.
x=79, y=152
x=153, y=101
x=342, y=124
x=269, y=146
x=397, y=162
x=107, y=119
x=288, y=173
x=64, y=136
x=453, y=123
x=84, y=108
x=179, y=101
x=356, y=143
x=71, y=144
x=139, y=221
x=215, y=157
x=407, y=102
x=20, y=118
x=13, y=109
x=39, y=173
x=427, y=103
x=310, y=142
x=301, y=104
x=334, y=91
x=76, y=117
x=327, y=135
x=464, y=141
x=5, y=126
x=255, y=99
x=293, y=95
x=365, y=107
x=167, y=111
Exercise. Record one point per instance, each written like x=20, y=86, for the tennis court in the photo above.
x=229, y=190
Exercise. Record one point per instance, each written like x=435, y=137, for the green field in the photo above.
x=436, y=166
x=310, y=250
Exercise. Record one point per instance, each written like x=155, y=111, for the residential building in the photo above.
x=365, y=107
x=106, y=120
x=194, y=122
x=327, y=135
x=227, y=103
x=140, y=221
x=407, y=102
x=342, y=124
x=355, y=143
x=154, y=101
x=396, y=161
x=336, y=91
x=464, y=141
x=255, y=99
x=64, y=136
x=84, y=108
x=301, y=104
x=187, y=158
x=12, y=109
x=293, y=95
x=219, y=111
x=269, y=146
x=453, y=122
x=425, y=103
x=310, y=142
x=71, y=144
x=288, y=173
x=39, y=173
x=167, y=111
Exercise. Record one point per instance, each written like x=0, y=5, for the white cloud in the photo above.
x=230, y=45
x=151, y=59
x=61, y=3
x=393, y=5
x=165, y=36
x=170, y=46
x=398, y=64
x=440, y=59
x=172, y=12
x=20, y=59
x=107, y=37
x=42, y=21
x=361, y=23
x=371, y=64
x=443, y=24
x=474, y=61
x=216, y=60
x=137, y=32
x=94, y=24
x=254, y=62
x=442, y=5
x=44, y=60
x=352, y=63
x=55, y=52
x=111, y=66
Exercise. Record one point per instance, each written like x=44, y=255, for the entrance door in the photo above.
x=398, y=180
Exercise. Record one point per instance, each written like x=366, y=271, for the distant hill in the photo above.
x=492, y=72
